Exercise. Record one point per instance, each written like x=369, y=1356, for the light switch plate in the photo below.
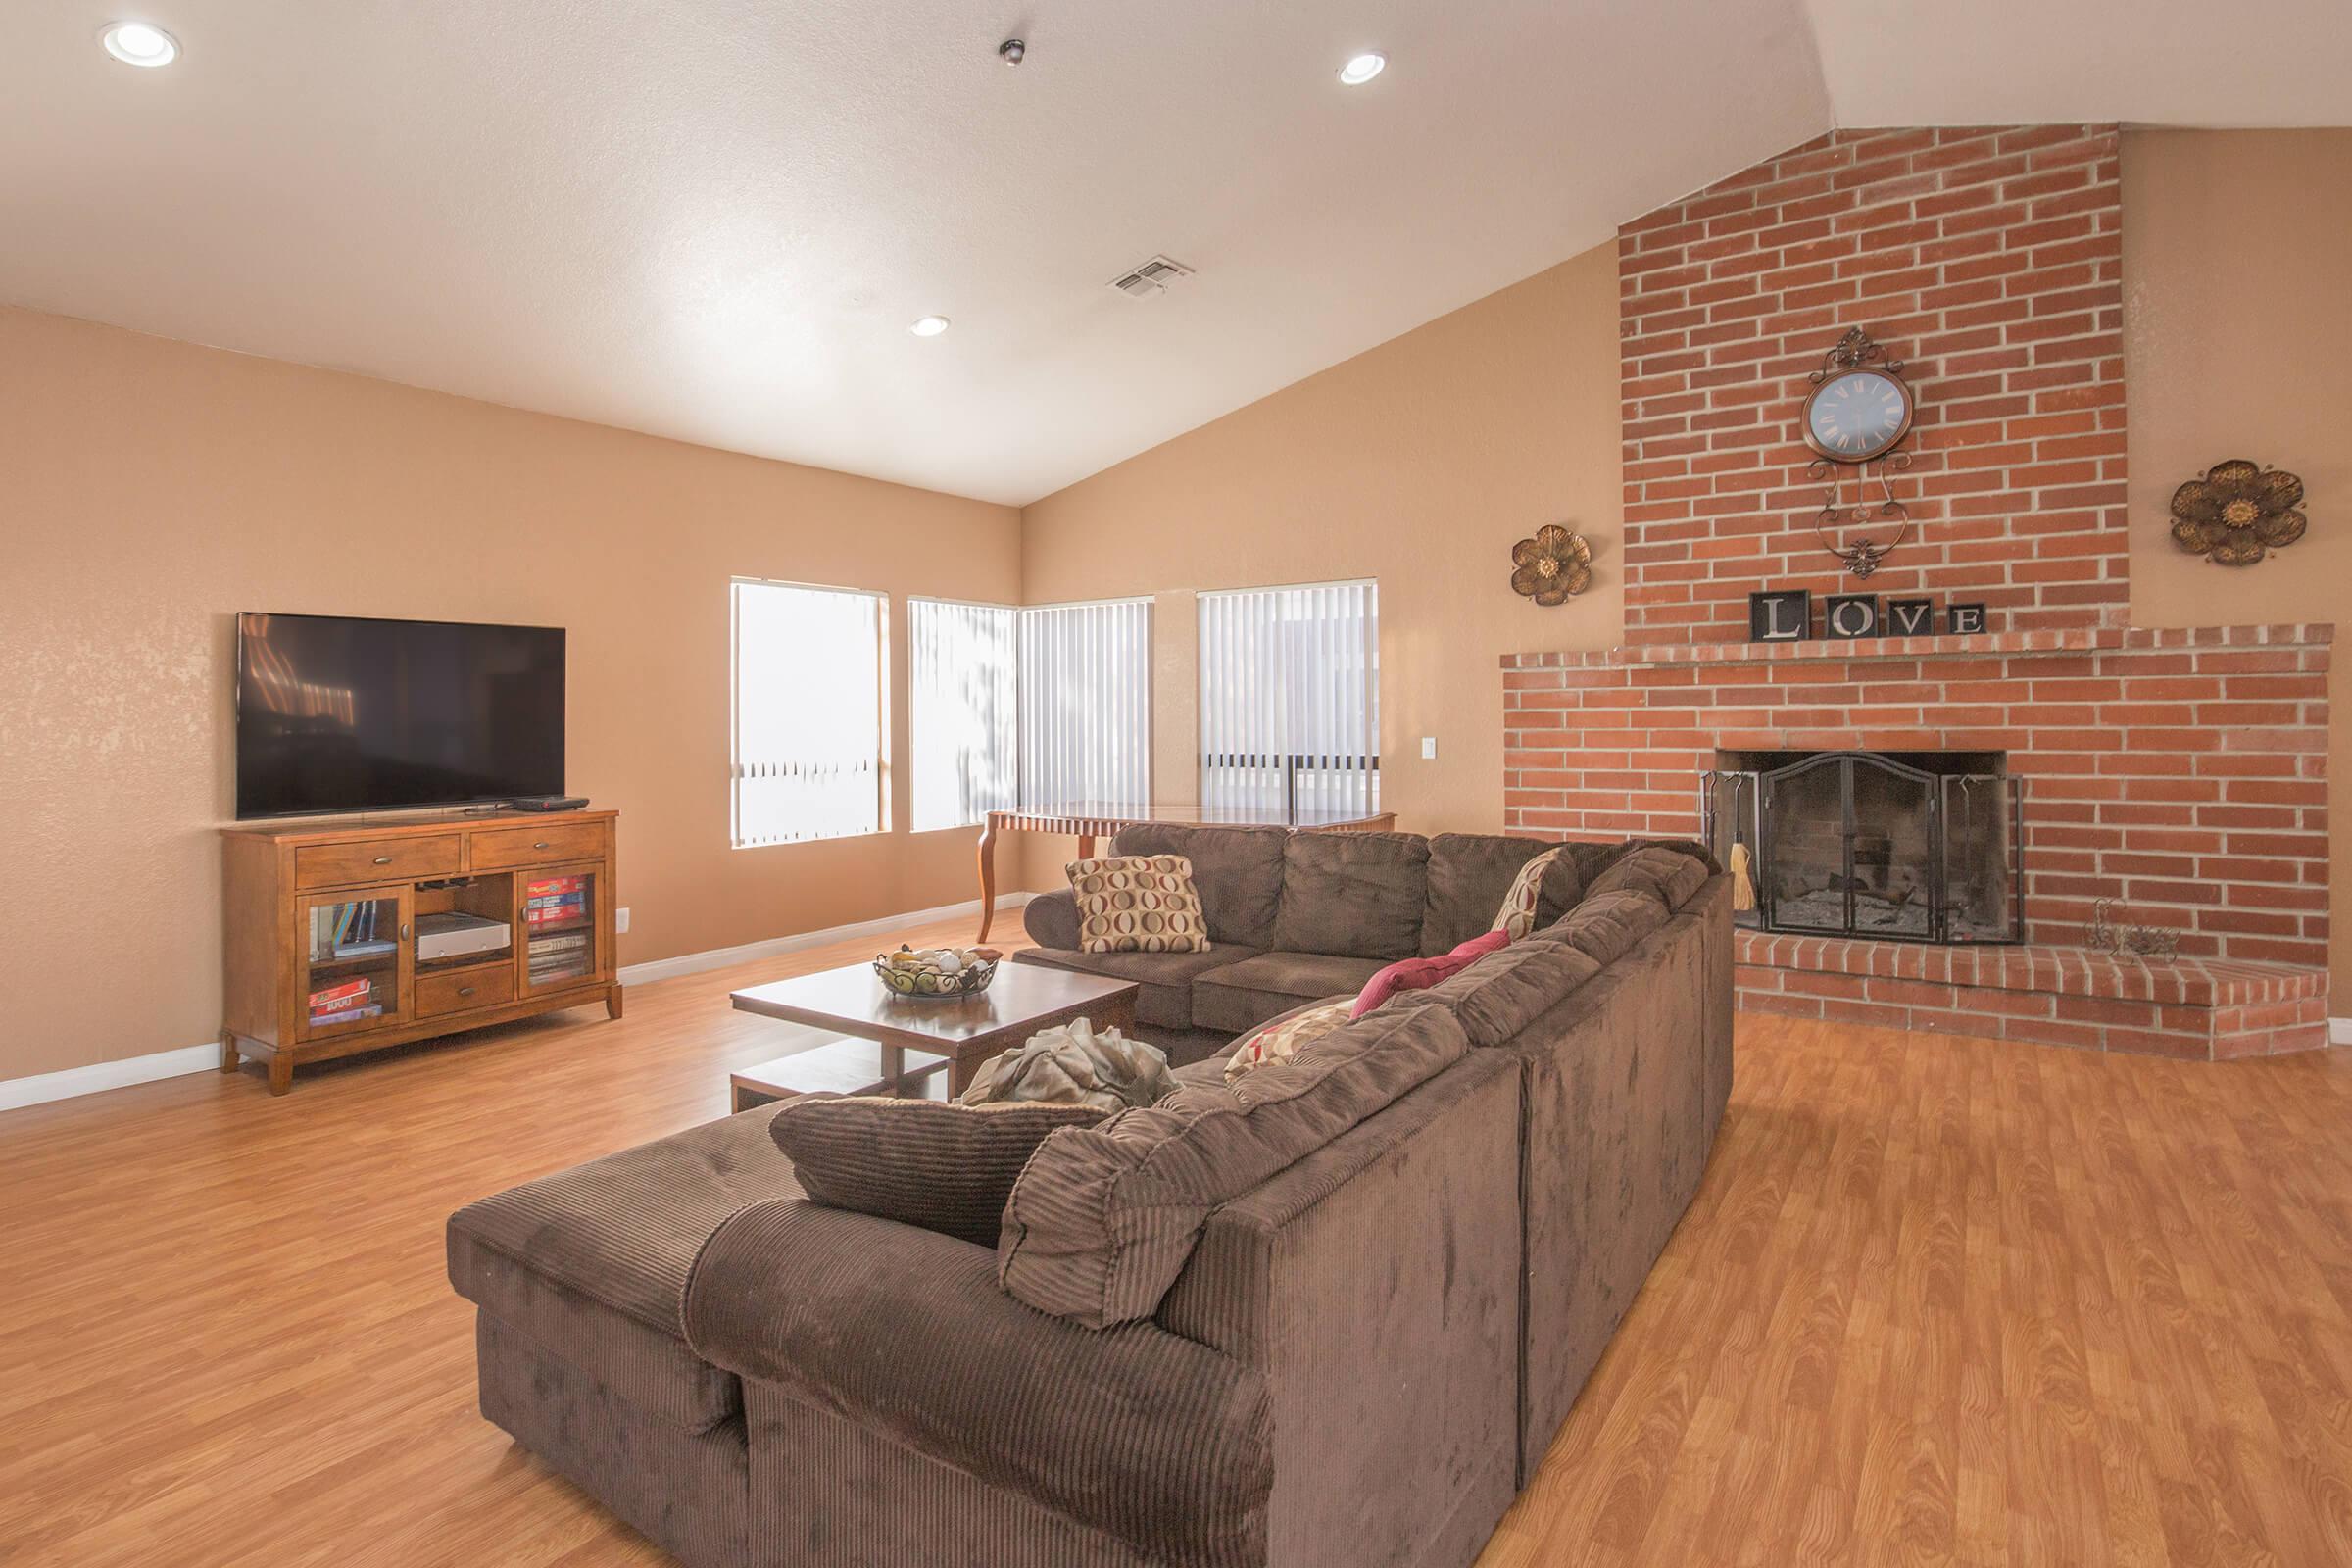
x=1429, y=748
x=620, y=919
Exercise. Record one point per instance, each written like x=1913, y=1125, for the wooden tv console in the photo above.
x=320, y=929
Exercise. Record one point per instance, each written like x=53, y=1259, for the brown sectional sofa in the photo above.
x=1296, y=918
x=750, y=1378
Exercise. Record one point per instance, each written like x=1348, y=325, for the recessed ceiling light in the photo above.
x=1363, y=68
x=929, y=326
x=139, y=43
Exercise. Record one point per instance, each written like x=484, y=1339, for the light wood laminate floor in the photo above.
x=1939, y=1302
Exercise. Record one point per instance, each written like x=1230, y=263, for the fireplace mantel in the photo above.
x=2070, y=640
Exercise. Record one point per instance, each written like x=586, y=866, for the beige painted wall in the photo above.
x=150, y=489
x=2238, y=343
x=1419, y=464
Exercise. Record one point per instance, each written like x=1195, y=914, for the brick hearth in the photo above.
x=2179, y=773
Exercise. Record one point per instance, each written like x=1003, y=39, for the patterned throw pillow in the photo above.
x=1285, y=1037
x=1138, y=903
x=1517, y=916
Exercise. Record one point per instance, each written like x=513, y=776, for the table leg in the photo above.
x=988, y=875
x=962, y=1070
x=894, y=1069
x=1086, y=846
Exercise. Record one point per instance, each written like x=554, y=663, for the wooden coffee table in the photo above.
x=1023, y=998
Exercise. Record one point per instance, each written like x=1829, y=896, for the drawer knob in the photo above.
x=464, y=991
x=541, y=845
x=383, y=860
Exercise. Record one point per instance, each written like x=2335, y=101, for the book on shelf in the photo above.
x=373, y=1009
x=328, y=998
x=560, y=941
x=554, y=886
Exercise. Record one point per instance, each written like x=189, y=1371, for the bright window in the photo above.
x=1289, y=701
x=1086, y=705
x=808, y=696
x=962, y=681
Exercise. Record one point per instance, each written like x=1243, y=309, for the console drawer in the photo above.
x=557, y=842
x=461, y=989
x=326, y=865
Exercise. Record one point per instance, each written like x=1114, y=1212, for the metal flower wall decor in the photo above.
x=2235, y=513
x=1552, y=565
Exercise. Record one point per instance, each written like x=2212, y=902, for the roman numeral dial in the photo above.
x=1856, y=416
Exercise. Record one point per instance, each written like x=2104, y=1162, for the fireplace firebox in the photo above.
x=1900, y=846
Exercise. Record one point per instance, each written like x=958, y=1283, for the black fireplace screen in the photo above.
x=1911, y=846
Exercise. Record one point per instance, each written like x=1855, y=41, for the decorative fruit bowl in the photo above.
x=936, y=974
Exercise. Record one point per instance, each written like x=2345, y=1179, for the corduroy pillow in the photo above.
x=1138, y=903
x=925, y=1162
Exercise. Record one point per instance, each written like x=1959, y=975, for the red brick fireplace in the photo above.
x=2178, y=773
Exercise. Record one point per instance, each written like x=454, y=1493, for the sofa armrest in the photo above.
x=1051, y=919
x=1152, y=1438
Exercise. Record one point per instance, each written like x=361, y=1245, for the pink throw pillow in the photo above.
x=1419, y=974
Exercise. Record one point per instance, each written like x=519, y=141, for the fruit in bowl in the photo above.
x=938, y=971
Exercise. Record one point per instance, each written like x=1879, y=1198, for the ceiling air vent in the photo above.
x=1153, y=277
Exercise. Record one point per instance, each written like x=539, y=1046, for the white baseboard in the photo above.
x=41, y=1088
x=637, y=974
x=2340, y=1031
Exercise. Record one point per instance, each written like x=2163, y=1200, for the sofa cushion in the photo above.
x=1165, y=1000
x=1237, y=870
x=1138, y=903
x=1606, y=927
x=1497, y=998
x=1101, y=1221
x=1671, y=874
x=1242, y=996
x=1468, y=876
x=1356, y=893
x=925, y=1162
x=592, y=1262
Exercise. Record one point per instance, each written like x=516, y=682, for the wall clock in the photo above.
x=1857, y=416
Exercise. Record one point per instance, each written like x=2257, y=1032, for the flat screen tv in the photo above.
x=337, y=714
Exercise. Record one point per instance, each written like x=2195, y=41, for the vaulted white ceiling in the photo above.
x=715, y=219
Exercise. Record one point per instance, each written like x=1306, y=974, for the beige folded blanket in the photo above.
x=1074, y=1065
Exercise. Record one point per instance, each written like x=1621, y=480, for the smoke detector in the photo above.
x=1153, y=277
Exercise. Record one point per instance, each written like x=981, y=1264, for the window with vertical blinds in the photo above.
x=1289, y=701
x=1086, y=703
x=963, y=688
x=808, y=712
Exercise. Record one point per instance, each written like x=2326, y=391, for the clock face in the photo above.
x=1857, y=416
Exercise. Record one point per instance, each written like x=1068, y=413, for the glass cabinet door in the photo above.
x=561, y=923
x=354, y=949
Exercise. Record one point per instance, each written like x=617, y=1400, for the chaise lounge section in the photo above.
x=1359, y=1356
